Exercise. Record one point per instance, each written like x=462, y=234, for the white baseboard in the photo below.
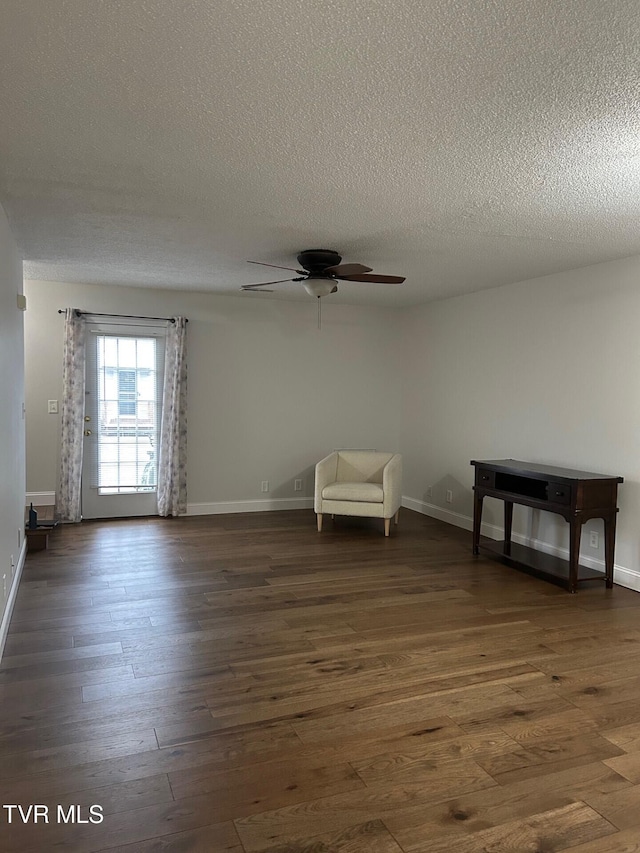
x=626, y=577
x=8, y=608
x=621, y=575
x=264, y=505
x=41, y=498
x=441, y=514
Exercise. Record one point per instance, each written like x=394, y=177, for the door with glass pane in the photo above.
x=122, y=423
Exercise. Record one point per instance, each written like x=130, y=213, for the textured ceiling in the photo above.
x=462, y=143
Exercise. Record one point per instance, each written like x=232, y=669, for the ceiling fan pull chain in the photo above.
x=319, y=313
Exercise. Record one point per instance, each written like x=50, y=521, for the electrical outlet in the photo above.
x=265, y=486
x=594, y=539
x=429, y=492
x=297, y=485
x=449, y=496
x=4, y=587
x=52, y=407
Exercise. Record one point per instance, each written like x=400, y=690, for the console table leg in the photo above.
x=609, y=545
x=508, y=521
x=477, y=521
x=575, y=531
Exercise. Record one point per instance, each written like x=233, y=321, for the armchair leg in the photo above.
x=319, y=522
x=387, y=526
x=397, y=516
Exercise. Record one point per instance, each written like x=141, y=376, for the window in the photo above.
x=127, y=393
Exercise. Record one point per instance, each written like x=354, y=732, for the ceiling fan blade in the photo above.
x=277, y=267
x=347, y=269
x=264, y=284
x=374, y=279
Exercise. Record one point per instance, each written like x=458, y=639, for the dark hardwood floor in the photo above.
x=243, y=683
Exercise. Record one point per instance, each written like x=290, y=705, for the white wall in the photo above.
x=546, y=371
x=12, y=448
x=269, y=393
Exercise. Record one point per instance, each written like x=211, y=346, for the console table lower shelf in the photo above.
x=537, y=563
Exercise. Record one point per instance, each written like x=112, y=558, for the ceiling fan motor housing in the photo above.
x=316, y=261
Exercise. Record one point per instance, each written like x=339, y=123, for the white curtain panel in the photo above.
x=172, y=462
x=68, y=498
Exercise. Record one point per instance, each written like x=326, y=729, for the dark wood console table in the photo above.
x=576, y=495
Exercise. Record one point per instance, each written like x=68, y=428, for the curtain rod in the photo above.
x=122, y=316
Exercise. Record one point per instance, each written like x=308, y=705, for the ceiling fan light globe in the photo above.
x=319, y=287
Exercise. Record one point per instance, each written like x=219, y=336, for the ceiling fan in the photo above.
x=321, y=269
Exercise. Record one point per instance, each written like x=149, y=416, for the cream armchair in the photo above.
x=359, y=482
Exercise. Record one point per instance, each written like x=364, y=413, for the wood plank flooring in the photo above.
x=242, y=683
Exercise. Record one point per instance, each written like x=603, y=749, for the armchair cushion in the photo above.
x=370, y=492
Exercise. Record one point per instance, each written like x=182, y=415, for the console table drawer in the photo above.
x=485, y=478
x=558, y=493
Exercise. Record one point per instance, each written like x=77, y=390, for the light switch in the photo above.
x=52, y=407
